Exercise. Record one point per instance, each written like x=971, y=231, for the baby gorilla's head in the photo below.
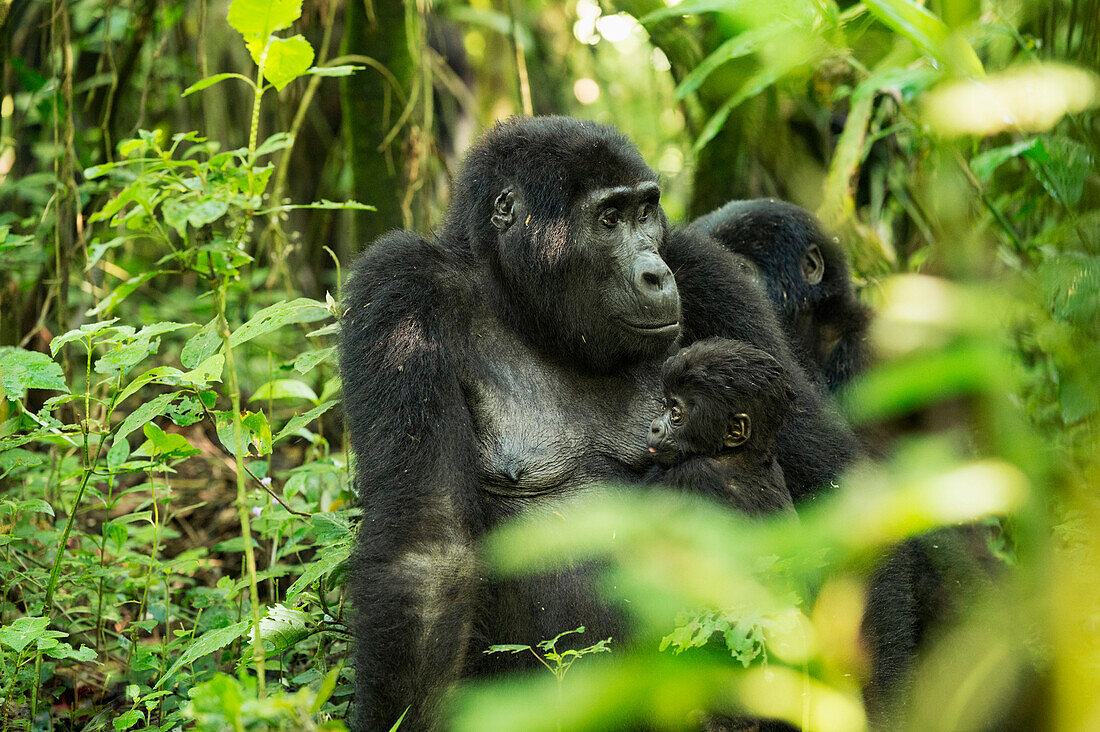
x=720, y=396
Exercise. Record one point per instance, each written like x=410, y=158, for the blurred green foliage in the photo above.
x=169, y=242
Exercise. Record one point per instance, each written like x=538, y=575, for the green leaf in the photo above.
x=740, y=45
x=206, y=372
x=285, y=389
x=984, y=164
x=278, y=141
x=324, y=691
x=212, y=80
x=201, y=346
x=307, y=361
x=21, y=370
x=207, y=643
x=301, y=420
x=318, y=568
x=928, y=32
x=196, y=212
x=122, y=358
x=20, y=632
x=127, y=720
x=147, y=411
x=256, y=431
x=301, y=310
x=282, y=627
x=103, y=329
x=262, y=17
x=118, y=454
x=160, y=374
x=286, y=59
x=757, y=83
x=35, y=505
x=121, y=292
x=1064, y=171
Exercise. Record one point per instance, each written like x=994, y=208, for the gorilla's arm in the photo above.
x=719, y=299
x=414, y=573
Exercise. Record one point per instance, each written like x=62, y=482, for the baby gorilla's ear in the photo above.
x=504, y=209
x=738, y=430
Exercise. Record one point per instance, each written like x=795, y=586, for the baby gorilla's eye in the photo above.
x=676, y=415
x=611, y=218
x=647, y=209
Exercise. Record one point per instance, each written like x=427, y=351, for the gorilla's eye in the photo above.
x=647, y=209
x=611, y=218
x=676, y=415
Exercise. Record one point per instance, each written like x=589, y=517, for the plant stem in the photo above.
x=242, y=496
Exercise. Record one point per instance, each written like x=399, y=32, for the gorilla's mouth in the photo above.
x=653, y=329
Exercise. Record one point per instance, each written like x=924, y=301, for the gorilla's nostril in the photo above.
x=651, y=280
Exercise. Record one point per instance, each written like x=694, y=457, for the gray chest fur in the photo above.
x=545, y=429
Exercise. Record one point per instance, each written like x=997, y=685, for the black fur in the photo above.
x=511, y=360
x=714, y=387
x=825, y=321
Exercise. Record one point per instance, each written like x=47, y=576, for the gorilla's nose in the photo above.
x=653, y=280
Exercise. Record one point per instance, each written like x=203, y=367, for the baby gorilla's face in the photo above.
x=692, y=424
x=667, y=431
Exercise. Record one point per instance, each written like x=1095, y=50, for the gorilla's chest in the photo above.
x=543, y=428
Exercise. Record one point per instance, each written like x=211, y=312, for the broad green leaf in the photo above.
x=21, y=370
x=160, y=374
x=201, y=346
x=283, y=627
x=286, y=58
x=18, y=458
x=255, y=428
x=307, y=361
x=262, y=17
x=301, y=420
x=178, y=213
x=207, y=643
x=301, y=310
x=120, y=359
x=212, y=80
x=22, y=631
x=318, y=568
x=147, y=411
x=284, y=389
x=118, y=454
x=127, y=720
x=35, y=505
x=206, y=372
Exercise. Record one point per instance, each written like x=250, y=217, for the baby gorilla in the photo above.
x=724, y=401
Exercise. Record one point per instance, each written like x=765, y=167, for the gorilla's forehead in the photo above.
x=553, y=159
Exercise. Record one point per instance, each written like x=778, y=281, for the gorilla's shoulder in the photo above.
x=401, y=274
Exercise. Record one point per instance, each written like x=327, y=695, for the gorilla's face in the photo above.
x=622, y=228
x=592, y=281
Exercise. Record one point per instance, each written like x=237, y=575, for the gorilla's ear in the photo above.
x=504, y=209
x=738, y=430
x=813, y=265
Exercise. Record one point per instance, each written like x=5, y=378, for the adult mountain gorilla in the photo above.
x=511, y=360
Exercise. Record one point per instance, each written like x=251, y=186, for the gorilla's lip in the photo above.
x=658, y=329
